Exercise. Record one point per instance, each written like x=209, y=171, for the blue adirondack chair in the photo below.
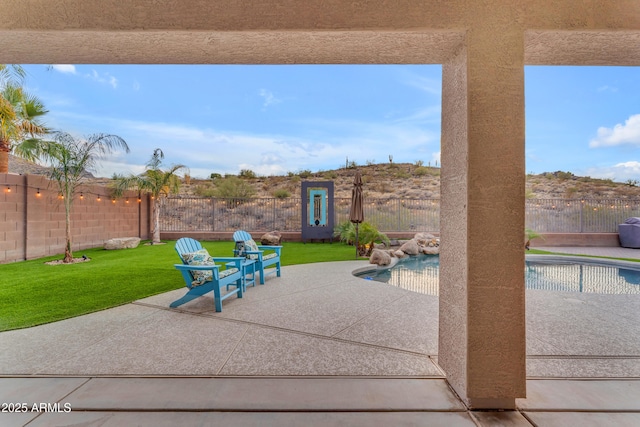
x=202, y=279
x=256, y=252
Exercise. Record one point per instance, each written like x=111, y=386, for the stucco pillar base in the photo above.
x=497, y=404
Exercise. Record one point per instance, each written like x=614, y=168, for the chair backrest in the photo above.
x=241, y=235
x=187, y=245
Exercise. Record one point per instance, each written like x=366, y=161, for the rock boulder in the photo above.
x=410, y=247
x=122, y=243
x=272, y=238
x=380, y=257
x=423, y=238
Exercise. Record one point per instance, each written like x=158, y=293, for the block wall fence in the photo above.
x=32, y=217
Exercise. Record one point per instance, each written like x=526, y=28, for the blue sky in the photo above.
x=278, y=119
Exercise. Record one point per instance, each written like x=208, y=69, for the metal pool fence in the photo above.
x=542, y=215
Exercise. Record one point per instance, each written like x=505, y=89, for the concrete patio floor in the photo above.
x=316, y=346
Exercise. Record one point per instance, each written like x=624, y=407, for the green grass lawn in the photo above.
x=33, y=293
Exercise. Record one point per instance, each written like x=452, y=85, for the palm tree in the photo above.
x=11, y=73
x=70, y=159
x=367, y=236
x=19, y=118
x=155, y=181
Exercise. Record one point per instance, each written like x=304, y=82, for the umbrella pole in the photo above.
x=357, y=240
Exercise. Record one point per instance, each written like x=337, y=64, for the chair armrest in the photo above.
x=229, y=260
x=195, y=267
x=276, y=249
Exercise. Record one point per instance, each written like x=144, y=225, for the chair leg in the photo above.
x=190, y=296
x=218, y=299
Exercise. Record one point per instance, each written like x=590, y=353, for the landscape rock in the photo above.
x=399, y=254
x=380, y=257
x=272, y=238
x=431, y=250
x=423, y=238
x=122, y=243
x=410, y=247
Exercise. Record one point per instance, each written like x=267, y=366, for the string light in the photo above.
x=61, y=196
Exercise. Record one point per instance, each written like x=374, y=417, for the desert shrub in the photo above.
x=383, y=187
x=571, y=192
x=564, y=175
x=433, y=171
x=215, y=175
x=233, y=187
x=305, y=173
x=281, y=193
x=330, y=175
x=421, y=171
x=204, y=191
x=419, y=163
x=247, y=173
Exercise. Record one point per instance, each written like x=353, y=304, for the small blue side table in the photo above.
x=248, y=267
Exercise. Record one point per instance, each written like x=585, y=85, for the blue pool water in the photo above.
x=421, y=274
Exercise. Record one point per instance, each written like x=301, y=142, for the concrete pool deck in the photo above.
x=316, y=346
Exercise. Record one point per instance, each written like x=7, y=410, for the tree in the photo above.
x=155, y=181
x=70, y=159
x=20, y=112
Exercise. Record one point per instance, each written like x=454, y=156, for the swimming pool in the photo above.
x=544, y=272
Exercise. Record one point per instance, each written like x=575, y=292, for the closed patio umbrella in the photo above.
x=356, y=214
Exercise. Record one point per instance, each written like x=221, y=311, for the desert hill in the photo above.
x=388, y=180
x=411, y=181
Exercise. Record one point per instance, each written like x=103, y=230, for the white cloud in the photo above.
x=619, y=172
x=425, y=84
x=621, y=134
x=206, y=150
x=425, y=115
x=269, y=98
x=136, y=86
x=105, y=78
x=435, y=159
x=607, y=88
x=64, y=68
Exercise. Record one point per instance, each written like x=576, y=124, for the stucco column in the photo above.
x=482, y=311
